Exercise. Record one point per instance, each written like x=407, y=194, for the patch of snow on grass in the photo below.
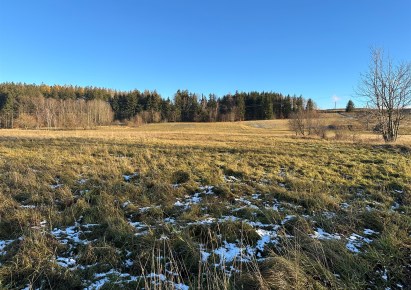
x=3, y=244
x=355, y=242
x=128, y=263
x=179, y=203
x=230, y=178
x=395, y=206
x=28, y=206
x=138, y=225
x=344, y=205
x=267, y=237
x=103, y=278
x=82, y=181
x=68, y=235
x=127, y=178
x=329, y=214
x=169, y=220
x=287, y=219
x=320, y=234
x=228, y=252
x=207, y=189
x=66, y=262
x=370, y=232
x=204, y=256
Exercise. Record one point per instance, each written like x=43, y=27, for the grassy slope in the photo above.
x=293, y=188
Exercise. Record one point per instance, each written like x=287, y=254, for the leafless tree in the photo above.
x=297, y=122
x=387, y=90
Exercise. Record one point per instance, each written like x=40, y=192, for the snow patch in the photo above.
x=231, y=179
x=355, y=242
x=4, y=244
x=320, y=234
x=128, y=178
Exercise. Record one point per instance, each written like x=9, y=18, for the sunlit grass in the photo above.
x=134, y=199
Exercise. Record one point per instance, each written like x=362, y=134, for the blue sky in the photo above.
x=314, y=48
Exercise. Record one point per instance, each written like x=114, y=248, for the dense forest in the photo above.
x=36, y=106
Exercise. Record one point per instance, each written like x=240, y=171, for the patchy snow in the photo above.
x=138, y=225
x=287, y=219
x=355, y=242
x=329, y=214
x=42, y=225
x=369, y=208
x=228, y=218
x=71, y=235
x=103, y=278
x=82, y=181
x=370, y=232
x=204, y=256
x=228, y=252
x=128, y=263
x=207, y=189
x=395, y=206
x=181, y=286
x=264, y=181
x=169, y=220
x=163, y=238
x=30, y=287
x=68, y=235
x=28, y=206
x=179, y=203
x=145, y=209
x=66, y=262
x=57, y=184
x=189, y=200
x=344, y=205
x=206, y=221
x=127, y=178
x=267, y=237
x=247, y=202
x=230, y=178
x=4, y=244
x=384, y=275
x=195, y=199
x=320, y=234
x=276, y=206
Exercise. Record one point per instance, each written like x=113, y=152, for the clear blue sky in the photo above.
x=314, y=48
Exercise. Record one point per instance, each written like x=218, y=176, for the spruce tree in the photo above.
x=350, y=106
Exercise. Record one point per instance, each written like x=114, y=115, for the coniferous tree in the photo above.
x=267, y=106
x=310, y=105
x=350, y=106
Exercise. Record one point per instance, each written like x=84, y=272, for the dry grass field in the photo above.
x=203, y=206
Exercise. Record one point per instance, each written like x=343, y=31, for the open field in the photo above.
x=203, y=206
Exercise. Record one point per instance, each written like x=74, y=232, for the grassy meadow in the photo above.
x=241, y=205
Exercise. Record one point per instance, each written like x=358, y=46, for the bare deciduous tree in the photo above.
x=306, y=122
x=387, y=90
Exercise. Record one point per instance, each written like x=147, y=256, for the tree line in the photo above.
x=30, y=105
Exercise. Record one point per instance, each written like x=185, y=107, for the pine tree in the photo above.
x=267, y=107
x=310, y=105
x=350, y=106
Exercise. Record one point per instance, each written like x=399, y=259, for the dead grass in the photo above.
x=104, y=197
